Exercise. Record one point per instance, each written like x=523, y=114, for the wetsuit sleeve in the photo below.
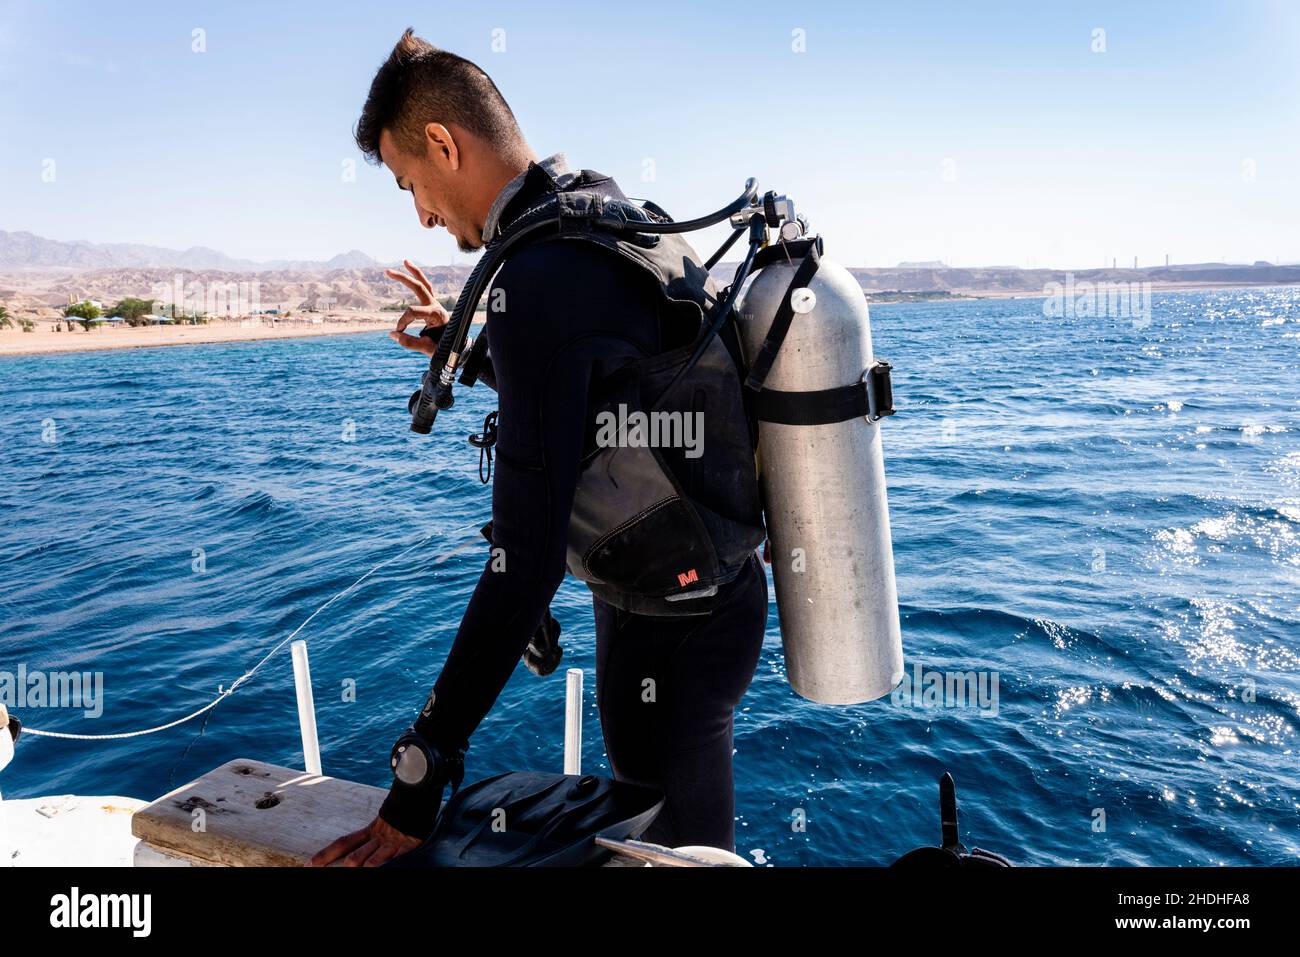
x=543, y=373
x=539, y=443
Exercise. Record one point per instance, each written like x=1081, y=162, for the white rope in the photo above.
x=224, y=693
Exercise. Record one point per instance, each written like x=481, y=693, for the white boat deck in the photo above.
x=68, y=830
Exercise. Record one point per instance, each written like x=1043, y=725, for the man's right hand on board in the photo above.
x=375, y=844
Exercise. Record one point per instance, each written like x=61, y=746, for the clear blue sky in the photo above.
x=1054, y=155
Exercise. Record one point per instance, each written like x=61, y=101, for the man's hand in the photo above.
x=375, y=844
x=429, y=310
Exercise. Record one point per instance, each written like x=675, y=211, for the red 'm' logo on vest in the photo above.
x=685, y=578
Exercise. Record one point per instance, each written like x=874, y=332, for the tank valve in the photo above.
x=774, y=209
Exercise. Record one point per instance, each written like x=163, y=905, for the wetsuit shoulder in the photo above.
x=571, y=286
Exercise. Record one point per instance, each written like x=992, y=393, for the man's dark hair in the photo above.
x=420, y=84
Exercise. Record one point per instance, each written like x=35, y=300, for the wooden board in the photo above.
x=256, y=815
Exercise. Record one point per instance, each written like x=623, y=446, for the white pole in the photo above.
x=306, y=707
x=573, y=721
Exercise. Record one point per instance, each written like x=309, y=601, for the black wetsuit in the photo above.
x=562, y=314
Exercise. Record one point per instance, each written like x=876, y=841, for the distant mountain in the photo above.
x=918, y=278
x=28, y=251
x=44, y=292
x=39, y=276
x=992, y=280
x=352, y=259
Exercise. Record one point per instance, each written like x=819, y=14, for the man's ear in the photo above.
x=442, y=144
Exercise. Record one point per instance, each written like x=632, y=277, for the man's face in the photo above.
x=435, y=189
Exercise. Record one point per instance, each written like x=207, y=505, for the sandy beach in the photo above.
x=15, y=342
x=45, y=340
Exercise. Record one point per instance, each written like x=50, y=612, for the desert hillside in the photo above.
x=39, y=277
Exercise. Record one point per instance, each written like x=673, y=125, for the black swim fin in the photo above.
x=953, y=852
x=534, y=819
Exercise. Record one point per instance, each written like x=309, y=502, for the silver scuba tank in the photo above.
x=823, y=475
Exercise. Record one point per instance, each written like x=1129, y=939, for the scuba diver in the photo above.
x=666, y=538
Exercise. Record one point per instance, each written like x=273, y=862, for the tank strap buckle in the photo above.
x=880, y=390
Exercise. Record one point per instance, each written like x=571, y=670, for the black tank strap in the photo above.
x=776, y=333
x=872, y=397
x=813, y=408
x=787, y=251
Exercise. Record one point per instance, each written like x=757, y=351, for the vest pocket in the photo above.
x=654, y=553
x=631, y=528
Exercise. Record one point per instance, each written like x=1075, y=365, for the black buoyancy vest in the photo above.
x=653, y=530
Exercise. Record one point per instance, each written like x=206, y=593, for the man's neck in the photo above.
x=500, y=175
x=520, y=189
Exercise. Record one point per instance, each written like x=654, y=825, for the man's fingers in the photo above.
x=423, y=293
x=358, y=857
x=338, y=847
x=433, y=316
x=392, y=843
x=414, y=343
x=384, y=853
x=418, y=273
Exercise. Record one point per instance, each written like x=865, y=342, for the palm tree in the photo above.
x=6, y=321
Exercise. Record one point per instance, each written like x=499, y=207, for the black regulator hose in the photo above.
x=757, y=236
x=757, y=233
x=435, y=391
x=739, y=204
x=722, y=250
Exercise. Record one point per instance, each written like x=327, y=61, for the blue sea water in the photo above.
x=1105, y=515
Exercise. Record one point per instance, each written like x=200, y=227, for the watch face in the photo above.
x=410, y=766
